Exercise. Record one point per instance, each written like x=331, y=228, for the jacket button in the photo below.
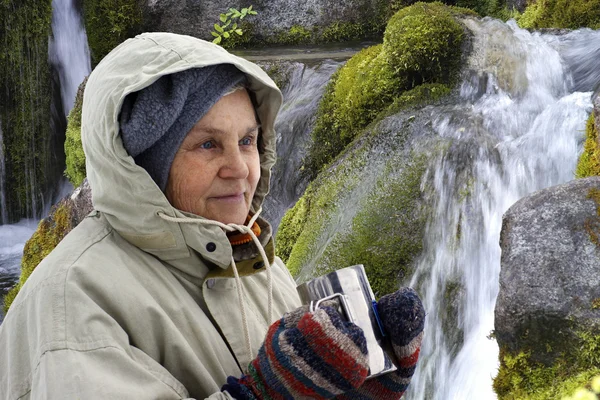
x=258, y=265
x=211, y=247
x=210, y=283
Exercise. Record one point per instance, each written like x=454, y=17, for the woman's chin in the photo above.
x=237, y=217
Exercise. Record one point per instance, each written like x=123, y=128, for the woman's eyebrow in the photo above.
x=217, y=131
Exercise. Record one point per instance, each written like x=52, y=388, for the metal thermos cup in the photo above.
x=351, y=288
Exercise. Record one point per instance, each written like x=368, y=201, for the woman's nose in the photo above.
x=233, y=165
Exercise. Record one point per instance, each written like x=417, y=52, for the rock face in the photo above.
x=197, y=17
x=596, y=102
x=549, y=280
x=519, y=5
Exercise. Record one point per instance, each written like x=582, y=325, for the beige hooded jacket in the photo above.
x=131, y=305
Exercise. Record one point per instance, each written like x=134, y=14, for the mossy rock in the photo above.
x=521, y=378
x=422, y=44
x=75, y=157
x=366, y=208
x=64, y=216
x=567, y=14
x=49, y=233
x=110, y=22
x=589, y=161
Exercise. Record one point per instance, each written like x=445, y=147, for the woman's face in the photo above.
x=217, y=167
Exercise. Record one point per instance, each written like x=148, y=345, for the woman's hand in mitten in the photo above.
x=403, y=316
x=305, y=355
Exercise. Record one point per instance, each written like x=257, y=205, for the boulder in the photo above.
x=549, y=282
x=197, y=17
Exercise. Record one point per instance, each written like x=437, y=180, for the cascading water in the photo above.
x=68, y=49
x=518, y=128
x=12, y=240
x=301, y=95
x=68, y=52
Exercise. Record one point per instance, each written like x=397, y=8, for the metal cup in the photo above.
x=356, y=300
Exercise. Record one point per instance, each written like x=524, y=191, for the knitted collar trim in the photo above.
x=237, y=238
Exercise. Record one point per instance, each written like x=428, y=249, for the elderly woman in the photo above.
x=170, y=288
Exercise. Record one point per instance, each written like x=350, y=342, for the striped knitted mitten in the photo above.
x=305, y=355
x=403, y=317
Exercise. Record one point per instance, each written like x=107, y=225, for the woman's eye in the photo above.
x=247, y=141
x=207, y=145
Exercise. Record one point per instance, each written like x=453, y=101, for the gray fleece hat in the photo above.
x=155, y=120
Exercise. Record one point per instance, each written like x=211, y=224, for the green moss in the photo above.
x=25, y=108
x=346, y=31
x=386, y=234
x=295, y=35
x=247, y=39
x=505, y=13
x=589, y=161
x=49, y=233
x=596, y=303
x=467, y=7
x=482, y=7
x=422, y=44
x=312, y=213
x=358, y=212
x=353, y=98
x=521, y=378
x=292, y=225
x=75, y=169
x=422, y=94
x=110, y=22
x=570, y=14
x=303, y=231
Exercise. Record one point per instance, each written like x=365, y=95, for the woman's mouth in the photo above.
x=230, y=198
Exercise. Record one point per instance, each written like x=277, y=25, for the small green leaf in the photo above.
x=226, y=25
x=239, y=32
x=223, y=17
x=215, y=34
x=234, y=26
x=250, y=8
x=218, y=28
x=252, y=12
x=244, y=10
x=217, y=40
x=226, y=35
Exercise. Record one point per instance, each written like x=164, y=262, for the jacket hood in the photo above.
x=123, y=191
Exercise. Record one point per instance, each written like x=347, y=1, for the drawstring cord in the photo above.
x=246, y=229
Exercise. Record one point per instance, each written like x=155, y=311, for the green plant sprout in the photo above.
x=229, y=27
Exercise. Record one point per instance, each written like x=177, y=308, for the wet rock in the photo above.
x=549, y=281
x=518, y=5
x=64, y=216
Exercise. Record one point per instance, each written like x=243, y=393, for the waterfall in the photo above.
x=301, y=97
x=518, y=128
x=68, y=48
x=69, y=55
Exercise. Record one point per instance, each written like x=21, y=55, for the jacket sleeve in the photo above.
x=101, y=371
